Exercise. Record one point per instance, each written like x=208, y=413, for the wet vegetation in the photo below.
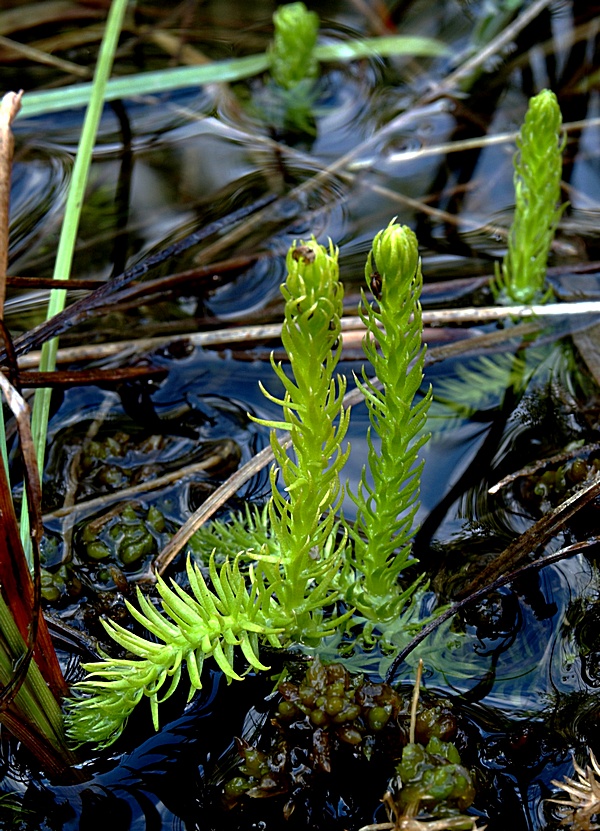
x=213, y=164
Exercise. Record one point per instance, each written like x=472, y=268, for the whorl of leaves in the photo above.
x=197, y=625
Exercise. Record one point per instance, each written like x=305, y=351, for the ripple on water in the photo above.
x=40, y=180
x=334, y=116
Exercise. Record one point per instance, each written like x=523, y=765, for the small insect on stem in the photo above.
x=375, y=281
x=333, y=328
x=376, y=284
x=304, y=252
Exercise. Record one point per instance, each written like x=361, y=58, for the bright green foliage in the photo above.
x=538, y=168
x=282, y=597
x=292, y=51
x=303, y=523
x=288, y=98
x=284, y=569
x=204, y=623
x=387, y=504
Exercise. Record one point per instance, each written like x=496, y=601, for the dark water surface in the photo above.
x=526, y=672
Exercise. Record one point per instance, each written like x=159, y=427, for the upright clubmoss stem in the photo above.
x=291, y=54
x=301, y=563
x=537, y=176
x=314, y=415
x=387, y=503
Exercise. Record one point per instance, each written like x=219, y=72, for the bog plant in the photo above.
x=289, y=96
x=387, y=499
x=521, y=278
x=286, y=569
x=292, y=52
x=537, y=175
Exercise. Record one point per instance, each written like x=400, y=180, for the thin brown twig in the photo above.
x=535, y=537
x=529, y=470
x=415, y=703
x=494, y=47
x=39, y=56
x=20, y=282
x=90, y=305
x=27, y=592
x=241, y=334
x=82, y=377
x=212, y=504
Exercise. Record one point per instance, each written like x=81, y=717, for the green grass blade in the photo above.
x=234, y=69
x=385, y=47
x=145, y=83
x=68, y=235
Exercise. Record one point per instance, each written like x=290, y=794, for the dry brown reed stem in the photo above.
x=415, y=703
x=494, y=47
x=9, y=107
x=23, y=50
x=535, y=467
x=245, y=334
x=21, y=593
x=24, y=17
x=84, y=377
x=211, y=505
x=19, y=282
x=535, y=537
x=349, y=168
x=465, y=222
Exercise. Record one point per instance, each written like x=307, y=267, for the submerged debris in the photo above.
x=327, y=714
x=331, y=724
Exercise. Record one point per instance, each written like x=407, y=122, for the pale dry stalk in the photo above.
x=9, y=107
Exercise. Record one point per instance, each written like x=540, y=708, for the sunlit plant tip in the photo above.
x=291, y=54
